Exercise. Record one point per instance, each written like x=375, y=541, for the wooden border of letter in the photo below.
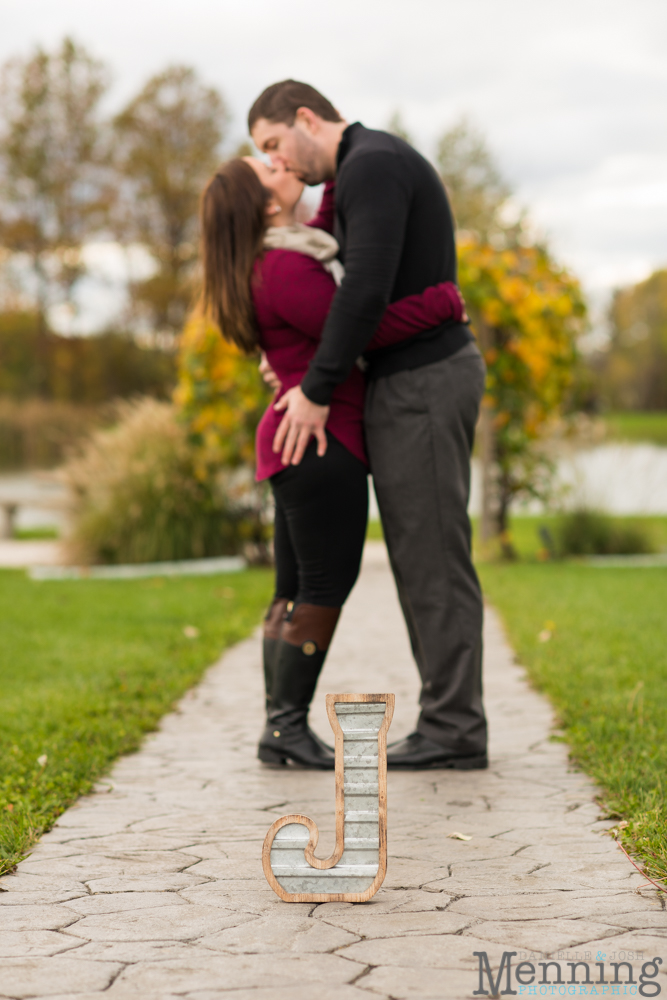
x=322, y=863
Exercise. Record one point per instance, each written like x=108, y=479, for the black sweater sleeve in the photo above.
x=373, y=200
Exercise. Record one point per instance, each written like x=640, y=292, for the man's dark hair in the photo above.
x=281, y=101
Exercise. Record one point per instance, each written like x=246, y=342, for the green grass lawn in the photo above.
x=88, y=667
x=638, y=427
x=605, y=671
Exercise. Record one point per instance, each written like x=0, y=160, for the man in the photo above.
x=396, y=236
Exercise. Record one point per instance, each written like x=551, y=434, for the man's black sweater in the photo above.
x=396, y=236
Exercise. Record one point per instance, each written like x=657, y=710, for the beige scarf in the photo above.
x=306, y=239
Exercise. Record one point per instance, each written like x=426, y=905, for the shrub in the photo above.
x=588, y=532
x=528, y=312
x=140, y=496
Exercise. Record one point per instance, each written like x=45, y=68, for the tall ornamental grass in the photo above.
x=140, y=495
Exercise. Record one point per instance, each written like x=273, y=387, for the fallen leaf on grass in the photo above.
x=191, y=632
x=547, y=632
x=458, y=836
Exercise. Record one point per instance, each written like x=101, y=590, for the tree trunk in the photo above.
x=490, y=527
x=504, y=494
x=42, y=339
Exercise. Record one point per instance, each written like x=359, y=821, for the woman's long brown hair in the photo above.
x=233, y=223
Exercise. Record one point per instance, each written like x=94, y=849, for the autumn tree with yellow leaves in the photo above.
x=527, y=312
x=220, y=394
x=221, y=397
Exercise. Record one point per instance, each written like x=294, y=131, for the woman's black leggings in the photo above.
x=320, y=525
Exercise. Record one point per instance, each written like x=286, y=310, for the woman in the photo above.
x=268, y=283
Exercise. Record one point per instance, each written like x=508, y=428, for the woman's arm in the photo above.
x=325, y=213
x=299, y=292
x=415, y=313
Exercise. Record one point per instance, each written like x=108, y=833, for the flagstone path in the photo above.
x=152, y=887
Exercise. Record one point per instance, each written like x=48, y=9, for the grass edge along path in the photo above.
x=88, y=667
x=593, y=640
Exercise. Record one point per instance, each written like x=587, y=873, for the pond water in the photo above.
x=621, y=479
x=618, y=478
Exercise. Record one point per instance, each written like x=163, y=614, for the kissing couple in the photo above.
x=365, y=338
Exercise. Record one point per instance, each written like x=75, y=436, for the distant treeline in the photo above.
x=37, y=364
x=54, y=390
x=631, y=374
x=40, y=433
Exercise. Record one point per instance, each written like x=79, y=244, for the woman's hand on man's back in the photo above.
x=268, y=374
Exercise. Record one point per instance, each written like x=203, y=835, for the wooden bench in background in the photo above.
x=11, y=505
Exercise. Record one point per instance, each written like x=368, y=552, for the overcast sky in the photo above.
x=572, y=95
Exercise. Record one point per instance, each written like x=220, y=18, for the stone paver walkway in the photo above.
x=153, y=886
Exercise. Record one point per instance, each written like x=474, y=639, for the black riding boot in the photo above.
x=273, y=624
x=300, y=656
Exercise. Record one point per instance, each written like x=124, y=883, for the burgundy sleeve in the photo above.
x=299, y=290
x=325, y=213
x=410, y=315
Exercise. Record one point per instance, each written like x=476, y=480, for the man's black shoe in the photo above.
x=416, y=753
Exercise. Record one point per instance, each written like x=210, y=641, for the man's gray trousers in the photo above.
x=420, y=427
